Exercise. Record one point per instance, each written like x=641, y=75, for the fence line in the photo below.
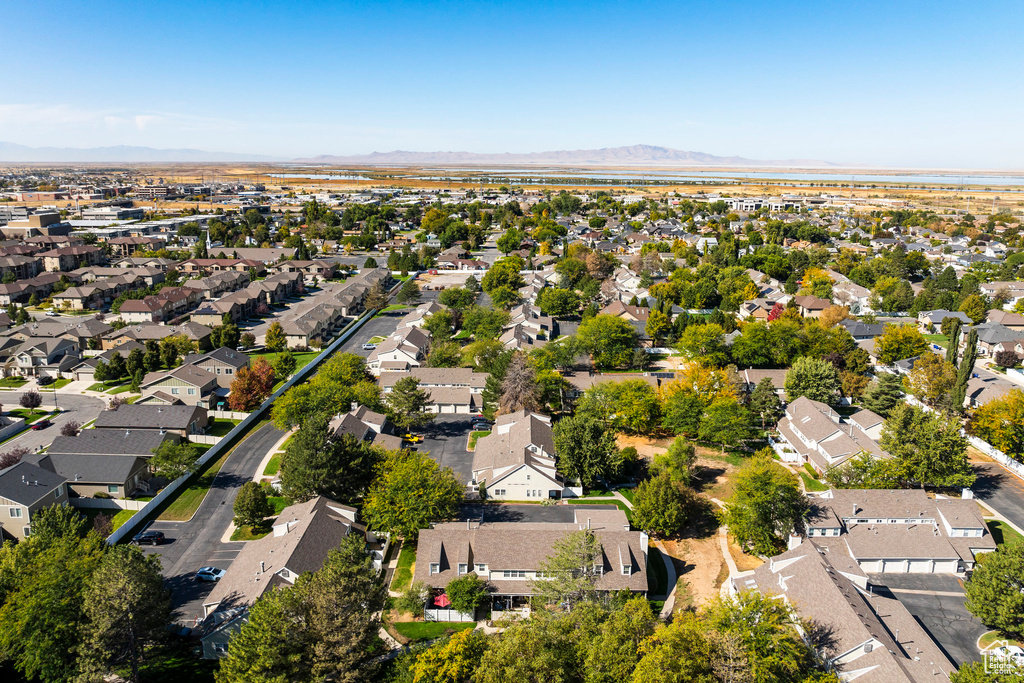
x=128, y=528
x=228, y=414
x=108, y=503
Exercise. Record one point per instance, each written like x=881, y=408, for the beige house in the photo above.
x=25, y=489
x=516, y=461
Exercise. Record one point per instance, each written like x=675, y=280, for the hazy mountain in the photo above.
x=634, y=155
x=11, y=152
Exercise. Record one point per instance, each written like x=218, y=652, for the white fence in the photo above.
x=205, y=439
x=107, y=503
x=438, y=614
x=1002, y=458
x=227, y=415
x=129, y=528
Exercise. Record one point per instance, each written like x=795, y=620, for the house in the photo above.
x=46, y=357
x=365, y=425
x=516, y=461
x=986, y=386
x=408, y=345
x=220, y=283
x=222, y=362
x=811, y=306
x=901, y=530
x=25, y=489
x=508, y=555
x=873, y=637
x=70, y=258
x=1011, y=321
x=1012, y=291
x=186, y=384
x=418, y=316
x=310, y=270
x=994, y=337
x=22, y=267
x=143, y=332
x=126, y=246
x=626, y=312
x=208, y=266
x=303, y=536
x=929, y=321
x=179, y=420
x=452, y=390
x=814, y=433
x=753, y=376
x=114, y=475
x=862, y=331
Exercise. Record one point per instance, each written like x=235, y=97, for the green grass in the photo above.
x=735, y=458
x=628, y=495
x=188, y=501
x=63, y=382
x=394, y=307
x=1003, y=533
x=245, y=533
x=812, y=484
x=279, y=503
x=940, y=339
x=302, y=358
x=617, y=503
x=473, y=436
x=175, y=665
x=221, y=427
x=287, y=441
x=990, y=638
x=657, y=575
x=12, y=382
x=272, y=466
x=428, y=630
x=116, y=521
x=26, y=414
x=119, y=390
x=106, y=386
x=463, y=334
x=597, y=494
x=377, y=340
x=403, y=571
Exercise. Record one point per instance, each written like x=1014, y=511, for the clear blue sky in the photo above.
x=906, y=83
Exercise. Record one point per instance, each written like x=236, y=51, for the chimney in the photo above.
x=263, y=567
x=794, y=541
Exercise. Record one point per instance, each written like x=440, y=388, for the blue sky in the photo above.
x=907, y=83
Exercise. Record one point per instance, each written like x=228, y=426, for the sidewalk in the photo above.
x=276, y=450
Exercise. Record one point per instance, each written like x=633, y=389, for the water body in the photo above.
x=312, y=176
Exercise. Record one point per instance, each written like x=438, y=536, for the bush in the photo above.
x=413, y=599
x=102, y=494
x=1005, y=359
x=467, y=593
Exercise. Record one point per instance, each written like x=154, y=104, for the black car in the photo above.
x=481, y=426
x=149, y=538
x=43, y=381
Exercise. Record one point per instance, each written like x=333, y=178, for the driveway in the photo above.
x=197, y=542
x=937, y=602
x=75, y=407
x=445, y=440
x=1000, y=489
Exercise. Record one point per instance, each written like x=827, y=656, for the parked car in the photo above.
x=52, y=314
x=42, y=424
x=149, y=538
x=369, y=347
x=482, y=426
x=412, y=438
x=209, y=574
x=43, y=381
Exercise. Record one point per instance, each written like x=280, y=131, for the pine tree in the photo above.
x=966, y=371
x=884, y=393
x=954, y=341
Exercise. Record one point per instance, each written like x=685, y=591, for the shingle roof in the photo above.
x=110, y=442
x=130, y=416
x=90, y=469
x=25, y=483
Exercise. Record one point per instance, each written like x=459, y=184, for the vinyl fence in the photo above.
x=108, y=503
x=130, y=528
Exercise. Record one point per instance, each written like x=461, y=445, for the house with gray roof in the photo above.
x=932, y=320
x=181, y=420
x=117, y=476
x=25, y=489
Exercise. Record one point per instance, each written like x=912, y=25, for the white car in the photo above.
x=209, y=574
x=369, y=346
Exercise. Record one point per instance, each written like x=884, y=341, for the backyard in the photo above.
x=404, y=569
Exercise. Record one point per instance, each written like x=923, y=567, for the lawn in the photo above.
x=119, y=518
x=473, y=436
x=245, y=533
x=63, y=382
x=429, y=630
x=403, y=571
x=119, y=390
x=12, y=382
x=393, y=307
x=377, y=340
x=812, y=484
x=940, y=339
x=463, y=334
x=617, y=503
x=657, y=576
x=628, y=495
x=272, y=467
x=1002, y=532
x=26, y=414
x=221, y=426
x=597, y=494
x=302, y=358
x=106, y=386
x=279, y=503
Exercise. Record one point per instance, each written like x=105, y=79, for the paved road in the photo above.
x=445, y=440
x=936, y=601
x=197, y=542
x=75, y=407
x=1000, y=489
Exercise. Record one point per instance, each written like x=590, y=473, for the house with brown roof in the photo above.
x=452, y=390
x=408, y=346
x=187, y=384
x=123, y=247
x=70, y=258
x=516, y=461
x=365, y=425
x=814, y=433
x=303, y=536
x=811, y=306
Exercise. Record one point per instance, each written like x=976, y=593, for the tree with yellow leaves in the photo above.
x=931, y=379
x=1000, y=422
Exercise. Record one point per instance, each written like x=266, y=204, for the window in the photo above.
x=59, y=492
x=27, y=531
x=435, y=568
x=15, y=512
x=599, y=569
x=627, y=569
x=527, y=477
x=528, y=492
x=463, y=568
x=218, y=371
x=499, y=492
x=514, y=574
x=112, y=488
x=175, y=391
x=191, y=392
x=481, y=568
x=228, y=371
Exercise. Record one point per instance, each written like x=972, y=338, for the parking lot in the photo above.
x=937, y=602
x=445, y=439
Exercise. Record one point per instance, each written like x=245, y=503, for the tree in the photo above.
x=1000, y=422
x=816, y=379
x=247, y=341
x=457, y=298
x=613, y=653
x=407, y=404
x=958, y=395
x=927, y=448
x=274, y=340
x=531, y=652
x=931, y=380
x=657, y=325
x=172, y=460
x=117, y=367
x=370, y=262
x=127, y=607
x=409, y=492
x=677, y=462
x=70, y=428
x=273, y=644
x=725, y=422
x=952, y=351
x=251, y=506
x=705, y=344
x=558, y=302
x=409, y=292
x=317, y=463
x=467, y=593
x=884, y=394
x=451, y=660
x=900, y=342
x=569, y=575
x=610, y=340
x=444, y=355
x=586, y=450
x=995, y=592
x=504, y=273
x=376, y=299
x=31, y=400
x=505, y=297
x=976, y=308
x=977, y=672
x=765, y=403
x=661, y=506
x=1005, y=359
x=13, y=456
x=251, y=386
x=284, y=364
x=136, y=361
x=767, y=505
x=519, y=386
x=440, y=325
x=510, y=241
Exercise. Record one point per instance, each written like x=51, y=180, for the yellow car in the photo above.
x=412, y=438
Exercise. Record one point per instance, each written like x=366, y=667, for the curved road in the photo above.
x=75, y=407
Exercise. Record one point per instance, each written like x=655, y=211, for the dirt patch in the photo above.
x=699, y=563
x=974, y=455
x=646, y=447
x=744, y=562
x=714, y=478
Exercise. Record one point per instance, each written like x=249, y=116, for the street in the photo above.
x=1000, y=489
x=75, y=407
x=197, y=542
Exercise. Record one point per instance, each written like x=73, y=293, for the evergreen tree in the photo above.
x=954, y=341
x=765, y=402
x=884, y=394
x=964, y=372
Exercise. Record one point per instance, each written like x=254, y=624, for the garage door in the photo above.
x=894, y=566
x=871, y=566
x=920, y=566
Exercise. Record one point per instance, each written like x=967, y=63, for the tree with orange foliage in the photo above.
x=252, y=386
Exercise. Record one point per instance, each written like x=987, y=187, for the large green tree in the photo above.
x=995, y=592
x=927, y=447
x=586, y=449
x=251, y=506
x=409, y=492
x=610, y=340
x=816, y=379
x=766, y=505
x=316, y=462
x=884, y=394
x=570, y=573
x=958, y=395
x=661, y=506
x=407, y=404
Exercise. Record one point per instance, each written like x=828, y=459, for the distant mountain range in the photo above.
x=633, y=155
x=11, y=152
